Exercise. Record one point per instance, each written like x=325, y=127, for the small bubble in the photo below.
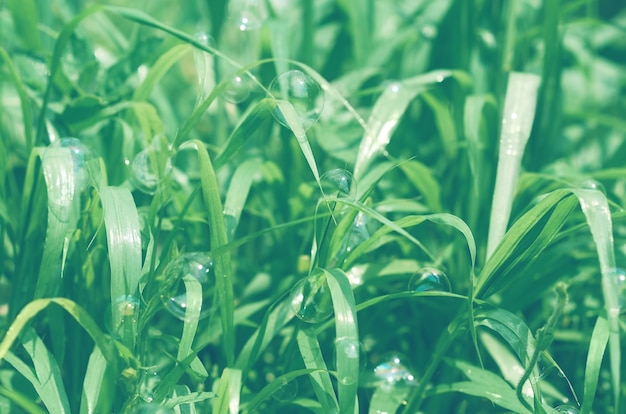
x=348, y=351
x=204, y=67
x=311, y=300
x=618, y=279
x=567, y=409
x=429, y=278
x=393, y=372
x=200, y=267
x=303, y=92
x=248, y=14
x=338, y=183
x=429, y=31
x=122, y=315
x=237, y=90
x=287, y=391
x=593, y=185
x=146, y=173
x=81, y=155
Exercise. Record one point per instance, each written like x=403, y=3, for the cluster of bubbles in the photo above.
x=198, y=266
x=429, y=279
x=391, y=372
x=311, y=300
x=303, y=93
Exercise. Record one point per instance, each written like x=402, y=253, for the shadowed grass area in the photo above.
x=362, y=206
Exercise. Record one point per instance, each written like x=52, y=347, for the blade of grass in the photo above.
x=227, y=401
x=159, y=69
x=193, y=292
x=597, y=348
x=27, y=116
x=93, y=382
x=21, y=401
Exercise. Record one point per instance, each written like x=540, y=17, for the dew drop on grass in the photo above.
x=567, y=409
x=287, y=390
x=145, y=174
x=348, y=351
x=248, y=14
x=127, y=307
x=237, y=90
x=338, y=183
x=200, y=267
x=429, y=278
x=303, y=92
x=311, y=300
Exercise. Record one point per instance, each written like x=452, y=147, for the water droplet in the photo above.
x=618, y=279
x=248, y=14
x=348, y=351
x=338, y=183
x=200, y=267
x=303, y=92
x=567, y=409
x=122, y=315
x=237, y=90
x=146, y=173
x=81, y=155
x=287, y=390
x=311, y=300
x=392, y=372
x=593, y=185
x=429, y=278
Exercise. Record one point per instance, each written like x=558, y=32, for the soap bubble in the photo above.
x=287, y=391
x=567, y=409
x=311, y=300
x=429, y=278
x=122, y=316
x=237, y=90
x=200, y=267
x=81, y=156
x=391, y=372
x=348, y=351
x=145, y=172
x=204, y=66
x=303, y=92
x=593, y=185
x=338, y=183
x=248, y=14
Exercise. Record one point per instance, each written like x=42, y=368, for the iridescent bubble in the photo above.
x=304, y=94
x=311, y=300
x=237, y=90
x=287, y=390
x=393, y=371
x=146, y=173
x=338, y=183
x=200, y=267
x=567, y=409
x=122, y=315
x=81, y=155
x=349, y=359
x=248, y=14
x=618, y=279
x=429, y=278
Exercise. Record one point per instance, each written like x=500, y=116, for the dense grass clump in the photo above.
x=364, y=206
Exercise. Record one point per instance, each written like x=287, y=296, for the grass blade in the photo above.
x=597, y=347
x=93, y=383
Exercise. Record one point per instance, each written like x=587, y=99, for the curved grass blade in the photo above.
x=193, y=292
x=159, y=69
x=237, y=193
x=597, y=348
x=93, y=384
x=227, y=401
x=425, y=182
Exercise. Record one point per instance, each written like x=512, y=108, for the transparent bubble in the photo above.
x=287, y=391
x=303, y=92
x=618, y=279
x=593, y=185
x=204, y=66
x=81, y=155
x=393, y=371
x=145, y=172
x=567, y=409
x=237, y=90
x=122, y=316
x=148, y=382
x=429, y=278
x=248, y=14
x=200, y=267
x=338, y=183
x=358, y=233
x=348, y=351
x=311, y=300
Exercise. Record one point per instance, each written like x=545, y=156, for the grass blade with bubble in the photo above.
x=517, y=121
x=525, y=240
x=52, y=391
x=313, y=359
x=27, y=116
x=597, y=348
x=193, y=292
x=121, y=222
x=347, y=346
x=227, y=401
x=237, y=193
x=219, y=238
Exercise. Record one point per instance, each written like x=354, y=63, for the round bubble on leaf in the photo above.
x=429, y=279
x=302, y=92
x=311, y=300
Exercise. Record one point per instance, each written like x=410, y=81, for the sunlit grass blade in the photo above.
x=237, y=193
x=27, y=116
x=313, y=359
x=517, y=121
x=219, y=238
x=193, y=292
x=93, y=384
x=159, y=69
x=597, y=347
x=347, y=345
x=476, y=135
x=227, y=401
x=424, y=180
x=121, y=222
